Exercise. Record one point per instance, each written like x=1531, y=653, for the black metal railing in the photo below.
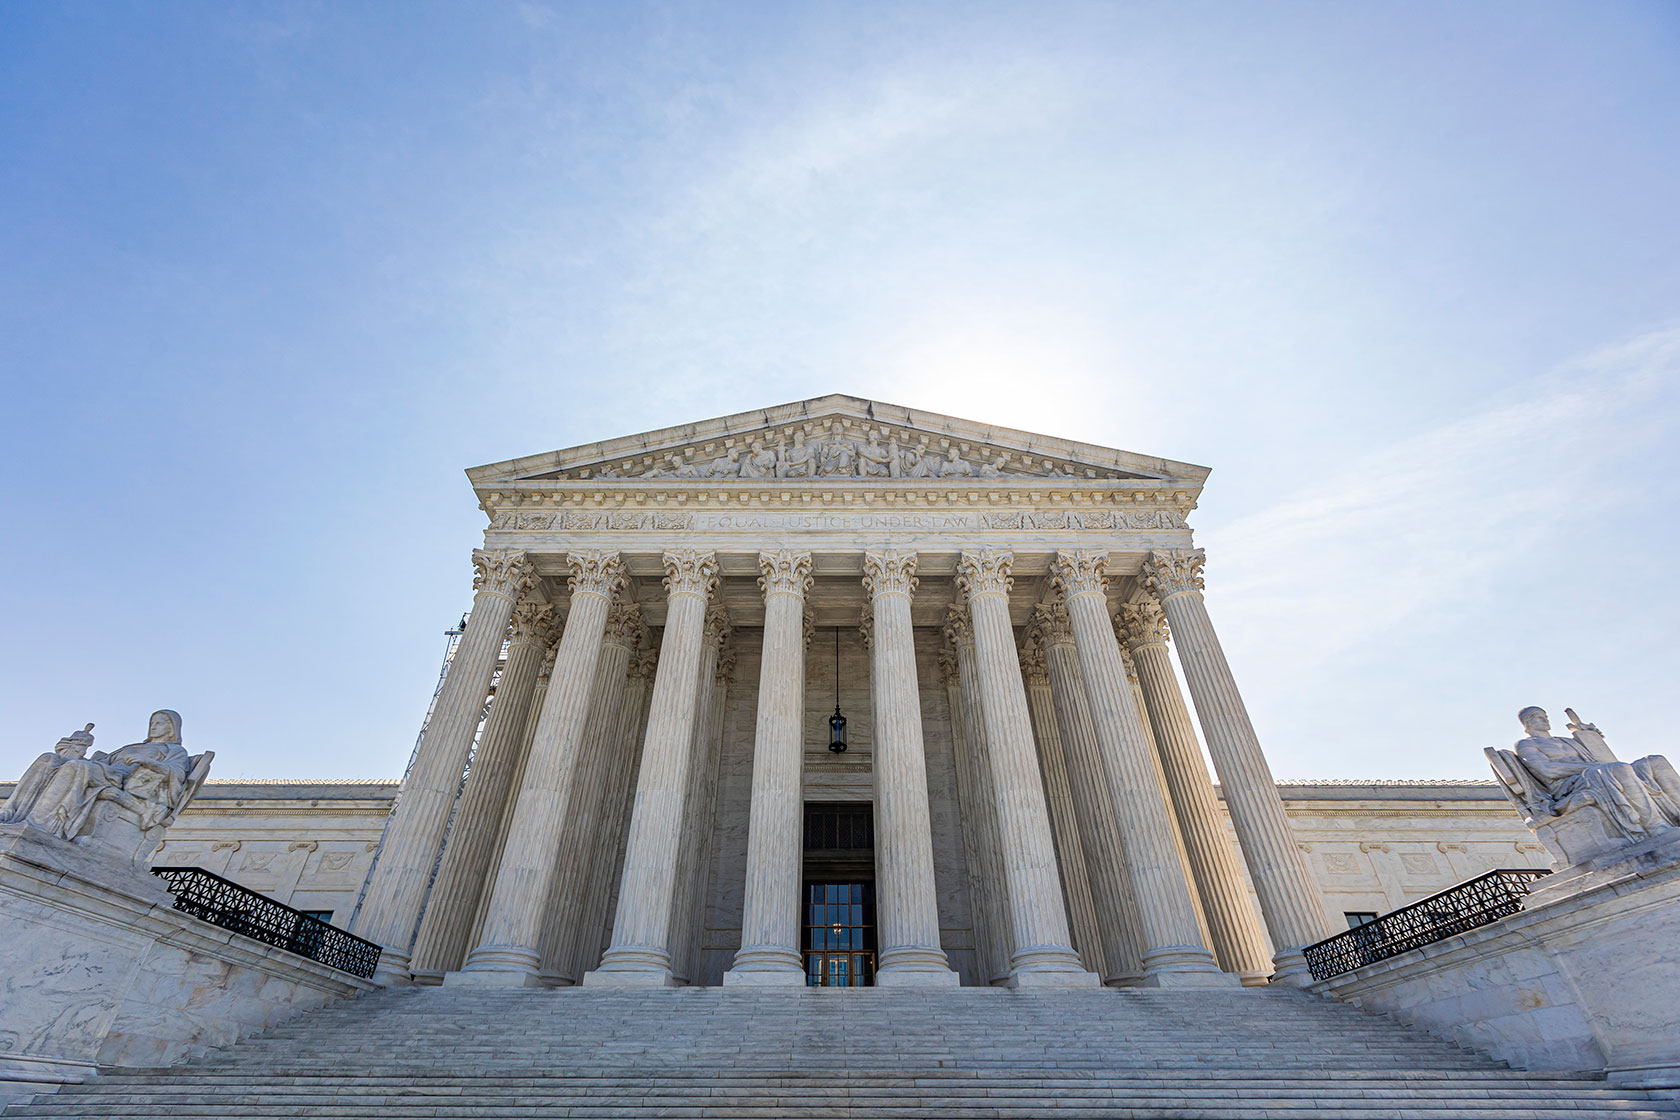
x=1476, y=902
x=225, y=903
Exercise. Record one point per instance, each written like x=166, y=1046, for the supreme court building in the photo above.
x=626, y=777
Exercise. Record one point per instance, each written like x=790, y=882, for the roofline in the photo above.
x=860, y=408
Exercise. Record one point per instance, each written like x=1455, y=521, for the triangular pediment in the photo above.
x=836, y=437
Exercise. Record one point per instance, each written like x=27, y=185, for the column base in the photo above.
x=764, y=978
x=392, y=970
x=427, y=978
x=915, y=966
x=1289, y=969
x=492, y=978
x=1049, y=966
x=1254, y=979
x=497, y=966
x=632, y=966
x=1185, y=966
x=765, y=966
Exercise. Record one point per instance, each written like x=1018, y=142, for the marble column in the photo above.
x=595, y=758
x=538, y=695
x=640, y=952
x=1043, y=953
x=968, y=802
x=993, y=898
x=1232, y=923
x=693, y=945
x=1289, y=899
x=450, y=908
x=1064, y=821
x=693, y=862
x=1174, y=955
x=397, y=882
x=907, y=907
x=770, y=916
x=1099, y=825
x=508, y=952
x=603, y=861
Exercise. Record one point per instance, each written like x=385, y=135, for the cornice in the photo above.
x=710, y=439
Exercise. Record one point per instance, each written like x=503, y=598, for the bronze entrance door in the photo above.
x=838, y=919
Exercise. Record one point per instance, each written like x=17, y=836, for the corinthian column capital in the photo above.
x=725, y=671
x=985, y=572
x=1049, y=624
x=718, y=628
x=532, y=623
x=866, y=629
x=784, y=572
x=690, y=572
x=947, y=662
x=1175, y=571
x=547, y=669
x=596, y=572
x=625, y=626
x=889, y=572
x=1033, y=666
x=506, y=572
x=1142, y=623
x=1081, y=572
x=959, y=627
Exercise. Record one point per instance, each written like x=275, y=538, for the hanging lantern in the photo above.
x=837, y=722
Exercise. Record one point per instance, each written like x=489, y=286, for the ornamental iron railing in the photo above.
x=222, y=902
x=1476, y=902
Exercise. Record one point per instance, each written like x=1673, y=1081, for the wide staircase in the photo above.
x=839, y=1052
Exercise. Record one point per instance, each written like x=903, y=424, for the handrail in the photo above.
x=1475, y=902
x=207, y=896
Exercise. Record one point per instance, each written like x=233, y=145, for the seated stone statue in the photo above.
x=121, y=802
x=28, y=789
x=1579, y=799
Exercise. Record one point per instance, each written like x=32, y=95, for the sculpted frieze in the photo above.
x=838, y=449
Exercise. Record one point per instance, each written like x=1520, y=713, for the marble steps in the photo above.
x=412, y=1053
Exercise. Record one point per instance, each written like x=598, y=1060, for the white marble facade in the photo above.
x=896, y=526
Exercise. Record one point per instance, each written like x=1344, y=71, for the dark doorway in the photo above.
x=838, y=922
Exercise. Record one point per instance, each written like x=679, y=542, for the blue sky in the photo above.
x=1405, y=276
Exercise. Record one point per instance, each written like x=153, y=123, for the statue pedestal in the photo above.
x=1586, y=977
x=101, y=970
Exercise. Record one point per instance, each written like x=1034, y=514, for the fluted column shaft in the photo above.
x=691, y=952
x=508, y=951
x=640, y=952
x=396, y=889
x=582, y=829
x=1289, y=899
x=1099, y=826
x=447, y=920
x=1043, y=949
x=1173, y=949
x=1232, y=923
x=1064, y=821
x=907, y=907
x=697, y=805
x=538, y=697
x=967, y=811
x=603, y=872
x=993, y=900
x=770, y=916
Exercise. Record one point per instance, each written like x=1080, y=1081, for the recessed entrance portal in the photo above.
x=838, y=922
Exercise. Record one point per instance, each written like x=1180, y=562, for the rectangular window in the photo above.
x=318, y=915
x=1357, y=918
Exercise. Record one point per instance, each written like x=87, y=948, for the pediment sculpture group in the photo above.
x=1580, y=800
x=121, y=802
x=836, y=457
